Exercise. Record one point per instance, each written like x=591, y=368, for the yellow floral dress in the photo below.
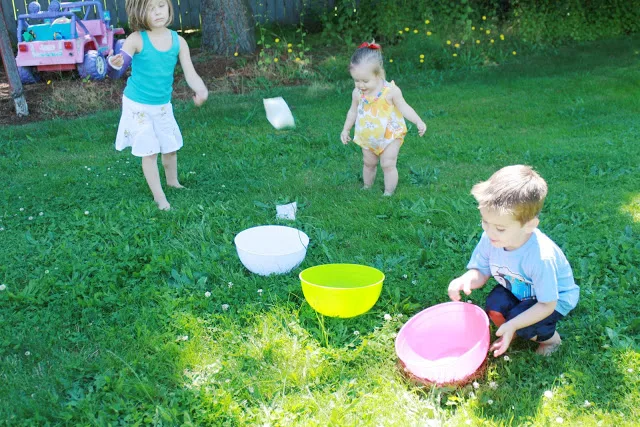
x=378, y=123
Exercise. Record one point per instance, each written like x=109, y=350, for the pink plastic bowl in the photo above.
x=444, y=343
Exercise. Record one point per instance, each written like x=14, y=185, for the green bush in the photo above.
x=537, y=22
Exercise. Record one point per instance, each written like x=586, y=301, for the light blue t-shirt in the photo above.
x=536, y=270
x=151, y=80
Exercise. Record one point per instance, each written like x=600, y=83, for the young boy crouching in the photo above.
x=535, y=281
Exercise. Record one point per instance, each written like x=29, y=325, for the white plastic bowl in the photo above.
x=271, y=249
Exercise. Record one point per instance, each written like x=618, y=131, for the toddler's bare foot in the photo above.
x=175, y=185
x=163, y=204
x=387, y=193
x=548, y=347
x=366, y=187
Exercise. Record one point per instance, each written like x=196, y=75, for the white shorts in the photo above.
x=147, y=129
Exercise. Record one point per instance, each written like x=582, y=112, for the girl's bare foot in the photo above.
x=366, y=187
x=387, y=193
x=175, y=185
x=163, y=205
x=548, y=347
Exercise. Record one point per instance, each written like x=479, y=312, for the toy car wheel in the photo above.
x=28, y=75
x=117, y=46
x=94, y=66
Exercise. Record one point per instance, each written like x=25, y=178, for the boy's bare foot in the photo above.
x=163, y=205
x=175, y=185
x=548, y=347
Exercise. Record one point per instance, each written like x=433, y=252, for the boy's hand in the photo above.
x=200, y=97
x=422, y=128
x=459, y=284
x=344, y=137
x=500, y=346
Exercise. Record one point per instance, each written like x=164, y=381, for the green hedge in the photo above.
x=540, y=22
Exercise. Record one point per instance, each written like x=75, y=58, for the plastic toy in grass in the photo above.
x=271, y=249
x=445, y=344
x=278, y=113
x=341, y=290
x=59, y=40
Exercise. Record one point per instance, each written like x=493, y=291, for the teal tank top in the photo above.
x=151, y=80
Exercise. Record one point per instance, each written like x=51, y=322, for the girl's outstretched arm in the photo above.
x=117, y=64
x=190, y=75
x=407, y=111
x=351, y=117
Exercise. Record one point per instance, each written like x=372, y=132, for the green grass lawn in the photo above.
x=105, y=320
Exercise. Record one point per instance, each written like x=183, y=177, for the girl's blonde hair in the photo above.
x=368, y=54
x=137, y=11
x=513, y=190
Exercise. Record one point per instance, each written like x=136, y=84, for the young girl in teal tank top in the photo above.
x=147, y=124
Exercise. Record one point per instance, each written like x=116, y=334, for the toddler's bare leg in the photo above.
x=170, y=164
x=388, y=160
x=546, y=348
x=370, y=167
x=152, y=175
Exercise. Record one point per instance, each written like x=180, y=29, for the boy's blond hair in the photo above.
x=137, y=12
x=513, y=190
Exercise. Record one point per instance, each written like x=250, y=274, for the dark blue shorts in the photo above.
x=502, y=301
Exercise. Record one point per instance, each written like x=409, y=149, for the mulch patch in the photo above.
x=209, y=67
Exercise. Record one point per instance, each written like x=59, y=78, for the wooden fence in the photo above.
x=187, y=12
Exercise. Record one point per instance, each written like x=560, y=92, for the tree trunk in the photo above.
x=227, y=26
x=12, y=70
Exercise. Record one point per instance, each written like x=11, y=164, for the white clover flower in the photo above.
x=227, y=381
x=46, y=272
x=469, y=301
x=507, y=359
x=250, y=389
x=224, y=186
x=548, y=394
x=630, y=370
x=356, y=333
x=260, y=291
x=207, y=294
x=230, y=284
x=27, y=353
x=404, y=276
x=45, y=174
x=586, y=404
x=21, y=209
x=414, y=282
x=86, y=212
x=559, y=420
x=41, y=213
x=30, y=218
x=493, y=385
x=476, y=385
x=90, y=168
x=3, y=287
x=225, y=307
x=1, y=228
x=387, y=317
x=399, y=315
x=490, y=401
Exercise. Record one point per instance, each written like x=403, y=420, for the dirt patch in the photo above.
x=64, y=94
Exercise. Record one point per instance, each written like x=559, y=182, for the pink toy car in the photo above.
x=57, y=40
